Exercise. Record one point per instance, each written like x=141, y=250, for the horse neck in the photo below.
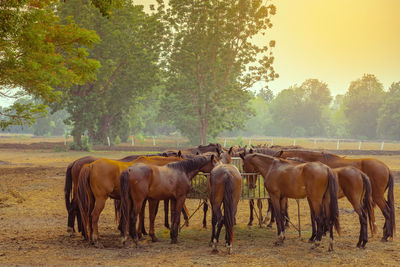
x=263, y=164
x=190, y=167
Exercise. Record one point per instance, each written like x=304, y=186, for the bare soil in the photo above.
x=33, y=220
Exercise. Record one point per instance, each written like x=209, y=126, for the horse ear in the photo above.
x=212, y=157
x=218, y=151
x=278, y=154
x=180, y=154
x=230, y=152
x=197, y=153
x=251, y=151
x=242, y=155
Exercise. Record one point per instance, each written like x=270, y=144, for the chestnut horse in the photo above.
x=145, y=181
x=224, y=187
x=313, y=180
x=380, y=176
x=100, y=180
x=71, y=189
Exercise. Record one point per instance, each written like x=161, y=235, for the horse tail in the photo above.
x=68, y=187
x=85, y=197
x=390, y=202
x=125, y=202
x=367, y=205
x=229, y=211
x=333, y=204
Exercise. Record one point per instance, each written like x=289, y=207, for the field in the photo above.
x=33, y=223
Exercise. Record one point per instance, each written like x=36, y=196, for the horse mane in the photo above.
x=189, y=164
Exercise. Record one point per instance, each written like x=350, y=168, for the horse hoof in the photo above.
x=278, y=242
x=250, y=224
x=174, y=241
x=204, y=226
x=229, y=249
x=214, y=251
x=154, y=238
x=269, y=225
x=166, y=226
x=186, y=223
x=70, y=230
x=384, y=239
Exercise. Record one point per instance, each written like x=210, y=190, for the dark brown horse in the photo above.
x=100, y=180
x=380, y=176
x=190, y=152
x=313, y=180
x=224, y=187
x=145, y=181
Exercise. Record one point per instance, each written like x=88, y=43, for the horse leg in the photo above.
x=259, y=206
x=152, y=214
x=220, y=222
x=216, y=219
x=98, y=208
x=137, y=206
x=177, y=216
x=141, y=229
x=251, y=204
x=71, y=217
x=312, y=215
x=283, y=205
x=205, y=209
x=281, y=231
x=287, y=220
x=185, y=213
x=381, y=202
x=166, y=218
x=173, y=221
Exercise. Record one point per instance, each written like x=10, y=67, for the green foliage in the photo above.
x=117, y=140
x=211, y=63
x=297, y=111
x=389, y=114
x=129, y=53
x=85, y=145
x=361, y=105
x=239, y=141
x=37, y=55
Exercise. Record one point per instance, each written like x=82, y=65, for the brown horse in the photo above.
x=145, y=181
x=189, y=152
x=380, y=176
x=313, y=180
x=71, y=189
x=100, y=180
x=224, y=186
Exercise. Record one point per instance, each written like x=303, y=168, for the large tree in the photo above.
x=361, y=105
x=38, y=54
x=389, y=114
x=128, y=53
x=212, y=61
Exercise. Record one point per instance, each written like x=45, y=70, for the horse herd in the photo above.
x=289, y=172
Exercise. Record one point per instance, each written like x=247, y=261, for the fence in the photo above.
x=252, y=189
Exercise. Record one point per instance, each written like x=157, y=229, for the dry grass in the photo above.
x=33, y=223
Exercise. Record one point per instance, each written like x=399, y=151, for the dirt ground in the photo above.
x=33, y=222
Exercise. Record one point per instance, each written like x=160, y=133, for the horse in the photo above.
x=313, y=180
x=380, y=176
x=71, y=191
x=224, y=187
x=190, y=152
x=356, y=187
x=171, y=181
x=100, y=180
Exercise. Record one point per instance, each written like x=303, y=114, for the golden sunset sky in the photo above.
x=336, y=41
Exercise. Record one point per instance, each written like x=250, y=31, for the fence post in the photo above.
x=272, y=142
x=65, y=140
x=315, y=142
x=249, y=141
x=359, y=145
x=154, y=141
x=338, y=145
x=294, y=142
x=133, y=141
x=108, y=141
x=382, y=145
x=225, y=142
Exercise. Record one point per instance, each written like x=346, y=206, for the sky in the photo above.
x=335, y=41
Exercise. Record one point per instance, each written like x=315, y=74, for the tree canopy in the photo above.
x=361, y=105
x=38, y=54
x=211, y=62
x=389, y=114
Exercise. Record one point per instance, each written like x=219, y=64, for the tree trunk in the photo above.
x=203, y=132
x=77, y=137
